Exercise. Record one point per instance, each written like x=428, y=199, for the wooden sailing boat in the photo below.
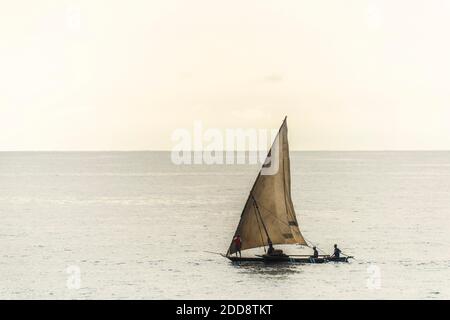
x=268, y=217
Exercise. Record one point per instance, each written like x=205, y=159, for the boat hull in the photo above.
x=287, y=259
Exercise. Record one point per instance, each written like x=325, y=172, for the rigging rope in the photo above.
x=259, y=227
x=315, y=245
x=310, y=245
x=274, y=215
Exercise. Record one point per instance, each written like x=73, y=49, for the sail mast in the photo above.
x=260, y=217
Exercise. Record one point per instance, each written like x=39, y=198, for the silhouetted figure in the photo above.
x=337, y=252
x=274, y=252
x=316, y=253
x=271, y=249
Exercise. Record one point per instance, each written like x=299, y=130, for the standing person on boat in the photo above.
x=337, y=252
x=238, y=244
x=315, y=254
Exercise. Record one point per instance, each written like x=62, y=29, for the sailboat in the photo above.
x=268, y=217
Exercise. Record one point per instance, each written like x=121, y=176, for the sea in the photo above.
x=134, y=225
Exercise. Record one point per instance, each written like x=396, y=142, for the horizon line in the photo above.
x=292, y=150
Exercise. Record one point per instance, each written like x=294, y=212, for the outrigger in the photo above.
x=269, y=217
x=289, y=258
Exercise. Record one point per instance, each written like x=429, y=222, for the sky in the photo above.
x=124, y=75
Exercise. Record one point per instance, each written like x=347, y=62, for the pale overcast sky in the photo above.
x=123, y=75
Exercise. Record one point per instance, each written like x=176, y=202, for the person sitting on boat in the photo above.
x=315, y=254
x=238, y=244
x=337, y=252
x=272, y=251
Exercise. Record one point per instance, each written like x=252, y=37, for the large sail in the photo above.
x=269, y=212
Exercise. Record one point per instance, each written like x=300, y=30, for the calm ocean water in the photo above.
x=136, y=226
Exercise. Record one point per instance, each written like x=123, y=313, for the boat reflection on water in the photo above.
x=261, y=268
